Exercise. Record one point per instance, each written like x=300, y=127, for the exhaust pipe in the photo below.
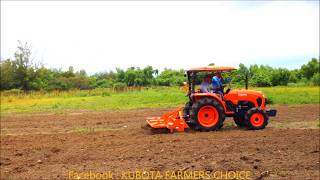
x=246, y=81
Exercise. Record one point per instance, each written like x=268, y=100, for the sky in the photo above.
x=99, y=36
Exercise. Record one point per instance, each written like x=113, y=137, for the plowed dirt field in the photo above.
x=50, y=146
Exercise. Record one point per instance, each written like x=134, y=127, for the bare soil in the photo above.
x=49, y=146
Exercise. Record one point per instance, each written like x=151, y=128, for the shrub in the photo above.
x=119, y=86
x=61, y=83
x=261, y=79
x=12, y=92
x=315, y=80
x=80, y=82
x=104, y=83
x=104, y=94
x=280, y=77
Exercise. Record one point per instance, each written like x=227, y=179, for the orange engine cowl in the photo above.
x=256, y=97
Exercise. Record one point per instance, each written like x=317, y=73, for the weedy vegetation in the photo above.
x=147, y=97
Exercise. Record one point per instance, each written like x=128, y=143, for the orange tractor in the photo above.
x=207, y=111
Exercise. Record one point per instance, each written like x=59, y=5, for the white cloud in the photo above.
x=102, y=35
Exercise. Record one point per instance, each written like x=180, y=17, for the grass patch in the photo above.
x=155, y=97
x=292, y=95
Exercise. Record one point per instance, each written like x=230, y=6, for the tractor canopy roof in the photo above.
x=212, y=69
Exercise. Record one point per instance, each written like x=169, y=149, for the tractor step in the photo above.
x=171, y=120
x=190, y=121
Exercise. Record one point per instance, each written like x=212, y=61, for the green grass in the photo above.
x=292, y=95
x=103, y=99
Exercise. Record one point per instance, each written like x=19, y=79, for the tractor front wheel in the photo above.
x=256, y=119
x=207, y=114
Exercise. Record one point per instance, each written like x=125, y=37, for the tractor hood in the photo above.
x=246, y=95
x=246, y=92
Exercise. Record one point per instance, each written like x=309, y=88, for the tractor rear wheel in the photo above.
x=256, y=119
x=186, y=115
x=207, y=115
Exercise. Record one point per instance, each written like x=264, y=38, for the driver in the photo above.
x=217, y=83
x=205, y=85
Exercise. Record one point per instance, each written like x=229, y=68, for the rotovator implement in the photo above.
x=207, y=111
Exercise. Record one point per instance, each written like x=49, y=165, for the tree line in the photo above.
x=22, y=73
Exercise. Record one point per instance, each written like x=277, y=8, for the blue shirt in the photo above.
x=216, y=82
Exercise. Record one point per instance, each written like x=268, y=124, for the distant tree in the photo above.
x=60, y=83
x=280, y=76
x=170, y=77
x=211, y=64
x=309, y=69
x=21, y=73
x=148, y=75
x=120, y=75
x=315, y=80
x=69, y=73
x=104, y=83
x=260, y=76
x=82, y=73
x=24, y=66
x=261, y=79
x=7, y=75
x=295, y=75
x=130, y=76
x=241, y=74
x=79, y=82
x=40, y=78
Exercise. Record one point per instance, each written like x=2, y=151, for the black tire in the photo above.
x=239, y=120
x=186, y=110
x=250, y=122
x=194, y=114
x=186, y=115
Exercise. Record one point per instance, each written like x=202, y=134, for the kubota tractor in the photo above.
x=207, y=111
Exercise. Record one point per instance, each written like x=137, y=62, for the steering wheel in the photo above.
x=227, y=91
